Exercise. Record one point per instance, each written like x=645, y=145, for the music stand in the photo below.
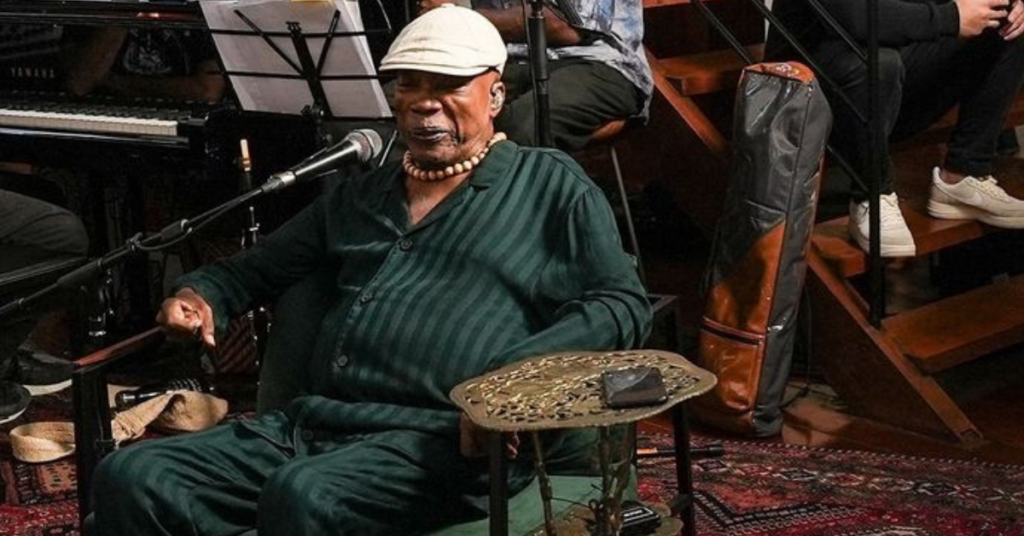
x=267, y=51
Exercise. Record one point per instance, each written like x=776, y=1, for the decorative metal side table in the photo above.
x=563, y=390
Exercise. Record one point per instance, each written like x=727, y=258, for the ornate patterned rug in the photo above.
x=38, y=499
x=768, y=489
x=755, y=489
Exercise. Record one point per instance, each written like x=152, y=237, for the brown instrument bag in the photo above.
x=754, y=278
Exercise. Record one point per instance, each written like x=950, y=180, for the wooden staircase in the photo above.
x=684, y=147
x=892, y=373
x=703, y=67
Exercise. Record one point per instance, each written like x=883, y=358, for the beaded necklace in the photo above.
x=456, y=169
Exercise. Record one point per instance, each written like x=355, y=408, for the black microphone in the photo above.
x=358, y=146
x=130, y=397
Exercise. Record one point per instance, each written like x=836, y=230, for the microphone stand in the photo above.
x=537, y=43
x=258, y=321
x=168, y=236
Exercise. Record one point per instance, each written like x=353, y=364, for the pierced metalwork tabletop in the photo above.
x=563, y=390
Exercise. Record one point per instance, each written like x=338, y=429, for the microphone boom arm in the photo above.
x=361, y=144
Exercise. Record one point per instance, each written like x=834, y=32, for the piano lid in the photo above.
x=179, y=15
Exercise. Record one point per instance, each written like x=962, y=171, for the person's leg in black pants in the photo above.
x=30, y=222
x=27, y=222
x=919, y=83
x=982, y=75
x=850, y=137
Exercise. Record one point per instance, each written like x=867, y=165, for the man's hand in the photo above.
x=1014, y=25
x=187, y=315
x=426, y=5
x=977, y=15
x=473, y=440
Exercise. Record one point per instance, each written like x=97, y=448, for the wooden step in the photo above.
x=961, y=328
x=707, y=72
x=832, y=241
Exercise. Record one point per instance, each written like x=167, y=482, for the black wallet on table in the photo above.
x=640, y=386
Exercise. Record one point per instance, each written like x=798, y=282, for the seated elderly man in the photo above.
x=472, y=253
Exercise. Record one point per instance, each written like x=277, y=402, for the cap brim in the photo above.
x=437, y=69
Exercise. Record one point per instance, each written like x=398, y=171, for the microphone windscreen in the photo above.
x=369, y=142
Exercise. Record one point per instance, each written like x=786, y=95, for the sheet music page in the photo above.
x=251, y=54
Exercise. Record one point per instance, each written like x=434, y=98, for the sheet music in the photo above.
x=348, y=56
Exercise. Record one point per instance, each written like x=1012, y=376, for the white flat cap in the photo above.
x=450, y=40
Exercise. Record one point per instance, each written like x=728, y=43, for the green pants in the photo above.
x=229, y=479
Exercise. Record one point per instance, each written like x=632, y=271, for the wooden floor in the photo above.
x=675, y=260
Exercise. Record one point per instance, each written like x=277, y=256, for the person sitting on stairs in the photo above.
x=934, y=55
x=596, y=65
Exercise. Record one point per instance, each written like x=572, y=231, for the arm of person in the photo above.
x=602, y=304
x=902, y=21
x=90, y=58
x=186, y=314
x=592, y=287
x=234, y=285
x=511, y=23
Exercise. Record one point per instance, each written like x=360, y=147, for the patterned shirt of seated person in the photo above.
x=471, y=254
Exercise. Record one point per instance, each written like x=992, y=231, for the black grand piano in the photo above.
x=117, y=141
x=108, y=135
x=42, y=123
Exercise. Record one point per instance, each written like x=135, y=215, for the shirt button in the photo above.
x=366, y=297
x=405, y=245
x=307, y=435
x=342, y=360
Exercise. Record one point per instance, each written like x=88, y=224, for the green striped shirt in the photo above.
x=524, y=258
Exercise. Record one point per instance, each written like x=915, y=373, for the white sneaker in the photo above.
x=975, y=199
x=896, y=238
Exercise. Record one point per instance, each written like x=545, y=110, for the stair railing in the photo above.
x=871, y=119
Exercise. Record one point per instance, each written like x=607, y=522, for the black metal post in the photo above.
x=498, y=472
x=684, y=474
x=871, y=181
x=537, y=42
x=258, y=316
x=92, y=431
x=310, y=71
x=876, y=141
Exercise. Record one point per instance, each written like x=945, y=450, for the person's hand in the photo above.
x=187, y=315
x=1014, y=25
x=977, y=15
x=473, y=440
x=426, y=5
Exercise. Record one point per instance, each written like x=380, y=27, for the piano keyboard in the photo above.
x=123, y=120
